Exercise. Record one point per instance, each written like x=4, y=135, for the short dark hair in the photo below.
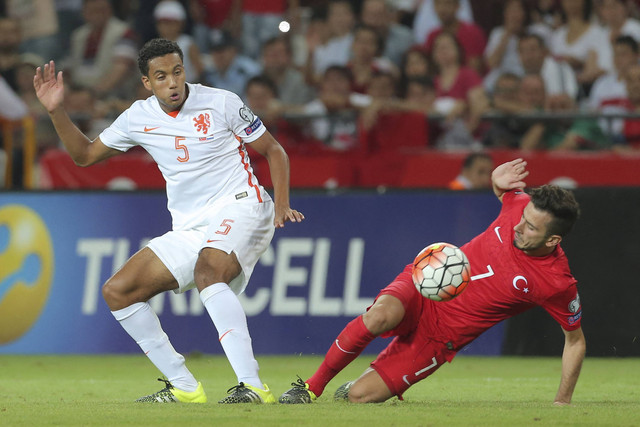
x=560, y=203
x=533, y=36
x=378, y=38
x=155, y=48
x=343, y=71
x=627, y=41
x=278, y=39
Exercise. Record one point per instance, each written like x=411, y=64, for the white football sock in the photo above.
x=142, y=323
x=229, y=319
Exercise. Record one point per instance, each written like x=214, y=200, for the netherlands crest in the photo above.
x=202, y=122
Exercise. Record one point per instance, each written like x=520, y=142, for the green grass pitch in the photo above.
x=471, y=391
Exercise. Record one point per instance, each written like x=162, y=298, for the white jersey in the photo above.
x=200, y=152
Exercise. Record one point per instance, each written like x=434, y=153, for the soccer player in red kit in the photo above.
x=516, y=264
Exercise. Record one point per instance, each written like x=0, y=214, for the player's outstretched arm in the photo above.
x=49, y=88
x=574, y=349
x=279, y=169
x=509, y=176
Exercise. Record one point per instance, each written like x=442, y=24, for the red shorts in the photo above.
x=419, y=347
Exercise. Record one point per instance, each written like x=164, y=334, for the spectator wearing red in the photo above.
x=390, y=124
x=460, y=95
x=470, y=36
x=455, y=83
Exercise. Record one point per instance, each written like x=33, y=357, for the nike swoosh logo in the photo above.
x=498, y=233
x=211, y=241
x=404, y=378
x=223, y=335
x=343, y=350
x=146, y=129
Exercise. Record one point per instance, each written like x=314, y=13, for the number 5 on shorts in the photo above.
x=225, y=227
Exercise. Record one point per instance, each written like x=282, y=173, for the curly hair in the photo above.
x=155, y=48
x=560, y=203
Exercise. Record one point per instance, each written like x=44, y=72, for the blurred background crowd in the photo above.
x=347, y=77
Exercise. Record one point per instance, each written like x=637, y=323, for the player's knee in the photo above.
x=361, y=394
x=119, y=293
x=112, y=293
x=379, y=320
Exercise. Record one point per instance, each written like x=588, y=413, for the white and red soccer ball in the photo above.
x=441, y=271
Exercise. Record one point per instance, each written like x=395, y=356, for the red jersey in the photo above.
x=466, y=80
x=215, y=11
x=506, y=281
x=265, y=6
x=470, y=36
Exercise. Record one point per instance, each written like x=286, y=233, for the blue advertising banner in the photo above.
x=57, y=249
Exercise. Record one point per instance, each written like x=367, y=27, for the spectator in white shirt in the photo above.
x=616, y=20
x=582, y=42
x=501, y=54
x=336, y=48
x=609, y=92
x=558, y=76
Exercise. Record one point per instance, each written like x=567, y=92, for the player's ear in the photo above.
x=146, y=82
x=554, y=240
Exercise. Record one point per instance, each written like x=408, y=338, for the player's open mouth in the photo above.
x=175, y=96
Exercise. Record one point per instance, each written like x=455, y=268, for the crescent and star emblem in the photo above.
x=515, y=283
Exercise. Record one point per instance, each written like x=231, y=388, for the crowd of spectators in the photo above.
x=351, y=76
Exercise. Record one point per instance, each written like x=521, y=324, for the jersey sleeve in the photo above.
x=565, y=308
x=241, y=120
x=117, y=135
x=514, y=200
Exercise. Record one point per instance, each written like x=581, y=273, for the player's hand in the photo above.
x=286, y=214
x=510, y=175
x=560, y=403
x=49, y=87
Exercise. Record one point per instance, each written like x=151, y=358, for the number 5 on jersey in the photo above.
x=185, y=156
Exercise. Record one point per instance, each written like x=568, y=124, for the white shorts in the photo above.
x=244, y=228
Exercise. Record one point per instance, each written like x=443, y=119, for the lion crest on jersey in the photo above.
x=202, y=122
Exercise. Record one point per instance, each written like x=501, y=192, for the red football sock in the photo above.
x=349, y=344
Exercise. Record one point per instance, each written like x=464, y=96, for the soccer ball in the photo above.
x=441, y=271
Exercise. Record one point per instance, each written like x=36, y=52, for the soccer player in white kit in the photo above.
x=223, y=220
